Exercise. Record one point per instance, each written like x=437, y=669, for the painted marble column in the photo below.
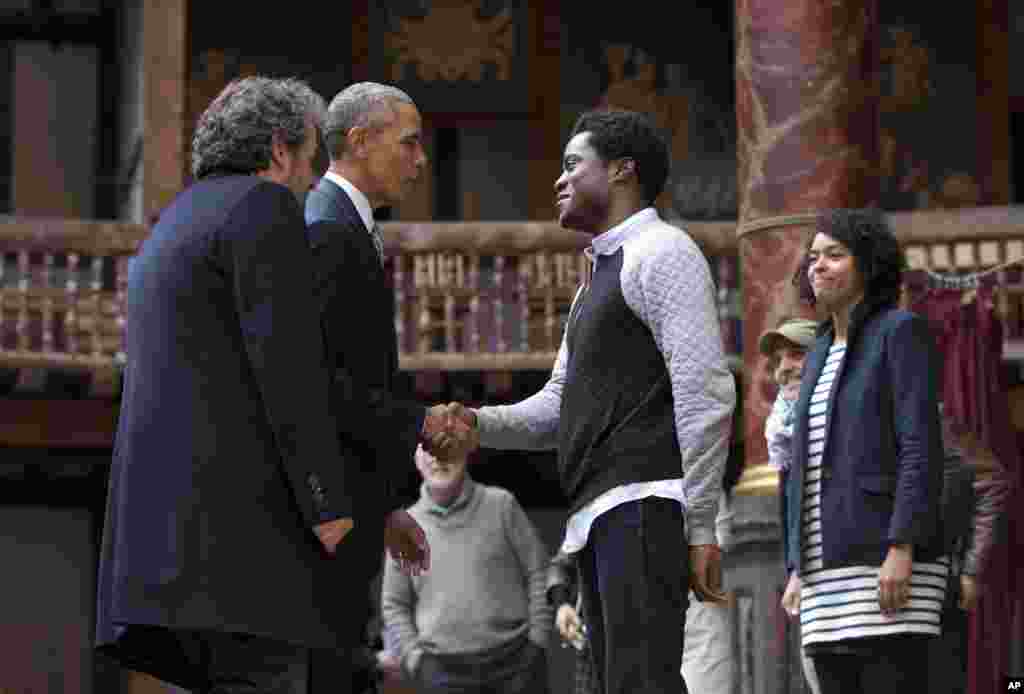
x=807, y=110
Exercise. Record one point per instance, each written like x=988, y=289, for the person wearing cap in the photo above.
x=785, y=347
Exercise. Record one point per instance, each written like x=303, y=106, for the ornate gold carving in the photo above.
x=453, y=42
x=908, y=63
x=639, y=92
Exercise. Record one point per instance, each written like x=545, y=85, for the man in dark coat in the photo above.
x=373, y=134
x=225, y=564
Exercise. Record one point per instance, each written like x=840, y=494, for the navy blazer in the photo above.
x=882, y=465
x=378, y=430
x=225, y=442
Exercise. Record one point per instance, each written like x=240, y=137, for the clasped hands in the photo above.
x=450, y=432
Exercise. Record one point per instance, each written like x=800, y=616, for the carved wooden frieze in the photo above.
x=451, y=42
x=928, y=69
x=452, y=55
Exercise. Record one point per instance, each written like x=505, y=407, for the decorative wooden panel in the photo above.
x=452, y=56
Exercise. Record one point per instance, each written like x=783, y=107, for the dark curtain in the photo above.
x=970, y=336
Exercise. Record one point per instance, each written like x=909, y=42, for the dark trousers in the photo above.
x=216, y=662
x=634, y=573
x=947, y=654
x=890, y=664
x=518, y=668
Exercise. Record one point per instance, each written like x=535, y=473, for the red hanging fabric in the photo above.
x=970, y=336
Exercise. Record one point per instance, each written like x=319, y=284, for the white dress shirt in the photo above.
x=361, y=202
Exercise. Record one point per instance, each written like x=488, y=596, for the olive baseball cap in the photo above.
x=798, y=331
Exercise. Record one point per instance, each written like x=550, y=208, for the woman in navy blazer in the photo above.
x=860, y=504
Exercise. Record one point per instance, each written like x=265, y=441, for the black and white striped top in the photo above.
x=842, y=603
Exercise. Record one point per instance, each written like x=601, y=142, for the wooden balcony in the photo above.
x=483, y=296
x=469, y=296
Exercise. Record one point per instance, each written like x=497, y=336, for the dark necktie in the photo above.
x=378, y=242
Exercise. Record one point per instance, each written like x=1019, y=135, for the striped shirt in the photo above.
x=842, y=603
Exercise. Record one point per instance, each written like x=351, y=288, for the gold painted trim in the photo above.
x=758, y=480
x=765, y=223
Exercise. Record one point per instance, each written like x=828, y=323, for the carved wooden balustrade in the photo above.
x=483, y=296
x=62, y=285
x=970, y=240
x=495, y=296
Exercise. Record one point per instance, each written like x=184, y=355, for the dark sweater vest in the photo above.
x=617, y=422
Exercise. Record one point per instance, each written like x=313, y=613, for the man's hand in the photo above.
x=894, y=578
x=463, y=414
x=407, y=543
x=791, y=598
x=463, y=427
x=569, y=627
x=447, y=436
x=706, y=573
x=389, y=665
x=333, y=532
x=436, y=422
x=970, y=591
x=451, y=432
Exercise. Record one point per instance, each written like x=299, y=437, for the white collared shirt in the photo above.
x=361, y=202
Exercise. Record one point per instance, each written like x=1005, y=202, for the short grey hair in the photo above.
x=358, y=105
x=235, y=133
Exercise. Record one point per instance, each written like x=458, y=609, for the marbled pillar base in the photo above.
x=807, y=97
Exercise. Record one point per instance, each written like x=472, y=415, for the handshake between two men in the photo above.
x=450, y=432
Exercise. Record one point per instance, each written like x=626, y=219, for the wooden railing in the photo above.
x=469, y=296
x=489, y=296
x=481, y=296
x=62, y=286
x=971, y=240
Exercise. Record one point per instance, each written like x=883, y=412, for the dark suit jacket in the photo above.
x=226, y=445
x=378, y=431
x=882, y=473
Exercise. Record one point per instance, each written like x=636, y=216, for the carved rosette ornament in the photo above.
x=453, y=41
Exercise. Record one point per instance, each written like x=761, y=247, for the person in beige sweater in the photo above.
x=479, y=618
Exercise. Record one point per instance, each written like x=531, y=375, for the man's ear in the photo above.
x=622, y=169
x=280, y=154
x=356, y=139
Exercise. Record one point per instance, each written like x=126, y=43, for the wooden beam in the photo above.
x=961, y=224
x=543, y=63
x=492, y=362
x=54, y=235
x=359, y=19
x=164, y=61
x=511, y=238
x=58, y=423
x=993, y=97
x=494, y=238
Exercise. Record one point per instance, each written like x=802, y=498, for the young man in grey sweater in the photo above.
x=479, y=619
x=639, y=406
